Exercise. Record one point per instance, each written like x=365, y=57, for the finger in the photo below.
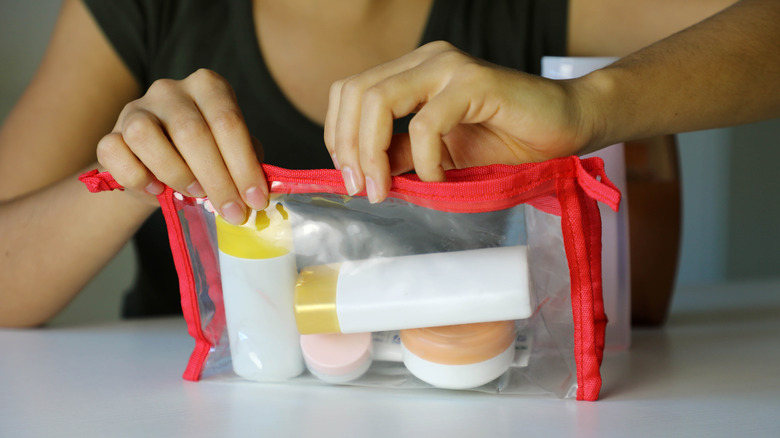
x=217, y=103
x=370, y=77
x=395, y=97
x=193, y=139
x=428, y=127
x=331, y=116
x=143, y=136
x=346, y=150
x=344, y=113
x=116, y=157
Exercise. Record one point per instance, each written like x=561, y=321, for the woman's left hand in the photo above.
x=467, y=113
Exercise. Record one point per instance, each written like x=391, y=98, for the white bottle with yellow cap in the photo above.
x=258, y=272
x=426, y=290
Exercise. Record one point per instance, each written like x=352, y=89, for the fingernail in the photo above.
x=256, y=198
x=371, y=190
x=335, y=161
x=196, y=190
x=233, y=213
x=350, y=181
x=154, y=188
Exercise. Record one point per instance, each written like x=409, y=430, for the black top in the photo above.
x=173, y=38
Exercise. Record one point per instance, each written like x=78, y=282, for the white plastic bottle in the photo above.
x=427, y=290
x=258, y=272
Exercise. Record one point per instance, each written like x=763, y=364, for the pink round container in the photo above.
x=337, y=357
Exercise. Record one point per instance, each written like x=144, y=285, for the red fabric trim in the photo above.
x=581, y=228
x=99, y=181
x=205, y=249
x=591, y=365
x=471, y=190
x=189, y=300
x=593, y=180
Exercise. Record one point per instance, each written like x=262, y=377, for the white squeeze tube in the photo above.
x=258, y=272
x=426, y=290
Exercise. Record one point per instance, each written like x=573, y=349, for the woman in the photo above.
x=245, y=74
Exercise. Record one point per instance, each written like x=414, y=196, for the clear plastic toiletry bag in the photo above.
x=490, y=281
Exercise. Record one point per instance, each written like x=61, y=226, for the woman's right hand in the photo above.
x=189, y=135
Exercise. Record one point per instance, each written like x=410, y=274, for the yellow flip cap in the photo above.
x=267, y=234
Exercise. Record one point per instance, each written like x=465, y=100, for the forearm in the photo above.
x=723, y=71
x=52, y=242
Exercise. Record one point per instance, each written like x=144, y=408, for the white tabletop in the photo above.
x=712, y=371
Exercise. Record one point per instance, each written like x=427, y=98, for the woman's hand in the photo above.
x=191, y=136
x=468, y=113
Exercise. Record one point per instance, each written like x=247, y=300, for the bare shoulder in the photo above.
x=72, y=100
x=619, y=27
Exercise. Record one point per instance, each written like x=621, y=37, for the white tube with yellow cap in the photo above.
x=258, y=272
x=394, y=293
